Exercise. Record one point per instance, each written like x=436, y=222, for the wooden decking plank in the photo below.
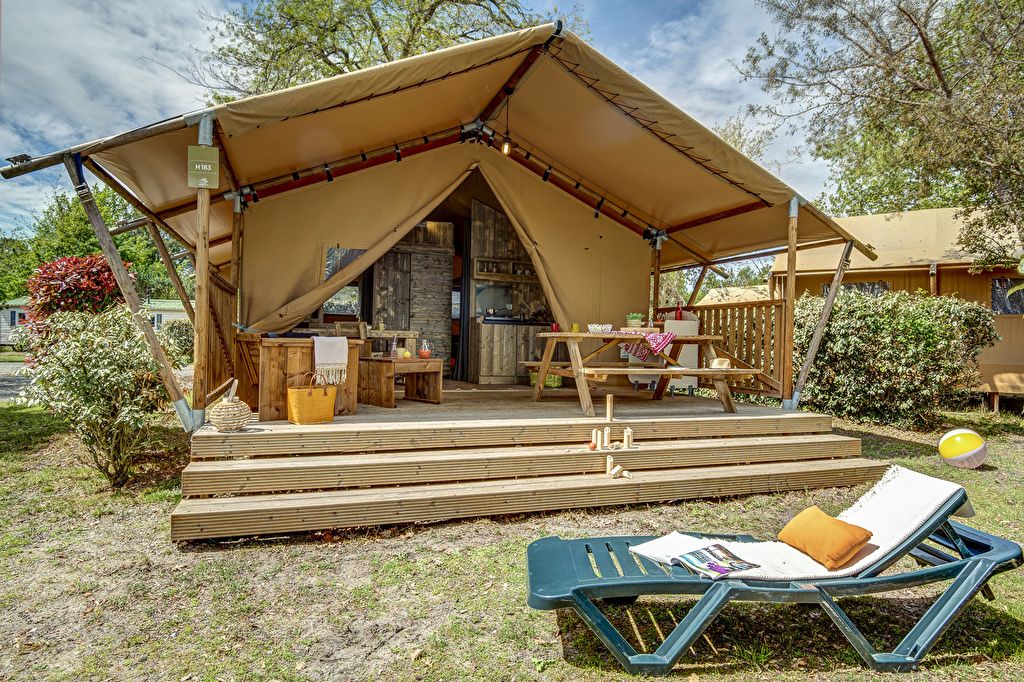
x=241, y=476
x=275, y=438
x=226, y=517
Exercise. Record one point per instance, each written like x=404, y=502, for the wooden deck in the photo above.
x=485, y=452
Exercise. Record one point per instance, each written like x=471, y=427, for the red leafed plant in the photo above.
x=73, y=283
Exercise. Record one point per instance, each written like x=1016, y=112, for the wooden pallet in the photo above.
x=318, y=472
x=281, y=438
x=260, y=514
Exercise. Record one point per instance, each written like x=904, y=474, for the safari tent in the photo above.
x=918, y=250
x=525, y=160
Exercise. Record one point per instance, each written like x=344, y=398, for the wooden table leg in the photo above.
x=721, y=385
x=725, y=394
x=582, y=387
x=659, y=391
x=545, y=365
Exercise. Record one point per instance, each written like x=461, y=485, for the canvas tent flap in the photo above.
x=284, y=266
x=591, y=269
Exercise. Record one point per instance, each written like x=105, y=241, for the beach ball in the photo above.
x=963, y=448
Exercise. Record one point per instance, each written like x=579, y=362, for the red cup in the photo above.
x=554, y=326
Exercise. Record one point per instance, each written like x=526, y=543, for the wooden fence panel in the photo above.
x=752, y=335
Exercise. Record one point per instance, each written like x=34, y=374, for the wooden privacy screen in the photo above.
x=753, y=335
x=221, y=363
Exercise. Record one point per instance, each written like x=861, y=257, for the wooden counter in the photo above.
x=285, y=362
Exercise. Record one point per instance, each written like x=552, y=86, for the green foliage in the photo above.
x=61, y=229
x=95, y=372
x=916, y=104
x=178, y=336
x=73, y=283
x=895, y=358
x=275, y=44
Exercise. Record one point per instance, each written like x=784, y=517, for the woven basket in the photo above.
x=230, y=414
x=313, y=404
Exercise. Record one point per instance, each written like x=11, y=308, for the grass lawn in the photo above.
x=11, y=356
x=91, y=588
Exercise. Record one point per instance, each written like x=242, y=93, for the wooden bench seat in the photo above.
x=703, y=372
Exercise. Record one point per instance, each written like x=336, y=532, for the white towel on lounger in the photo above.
x=893, y=510
x=330, y=358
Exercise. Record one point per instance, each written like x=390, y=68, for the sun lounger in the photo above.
x=908, y=513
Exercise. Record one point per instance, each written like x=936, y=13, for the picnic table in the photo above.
x=583, y=368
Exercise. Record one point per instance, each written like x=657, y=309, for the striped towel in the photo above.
x=656, y=342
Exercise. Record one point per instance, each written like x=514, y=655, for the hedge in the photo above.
x=896, y=358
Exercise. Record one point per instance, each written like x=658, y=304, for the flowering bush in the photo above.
x=95, y=371
x=894, y=358
x=177, y=338
x=73, y=283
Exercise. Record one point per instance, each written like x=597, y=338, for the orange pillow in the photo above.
x=824, y=538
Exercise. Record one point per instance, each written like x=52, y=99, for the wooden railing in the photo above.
x=753, y=336
x=221, y=363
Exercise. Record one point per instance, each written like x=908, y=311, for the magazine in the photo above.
x=698, y=555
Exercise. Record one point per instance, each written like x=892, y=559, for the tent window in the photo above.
x=346, y=301
x=1003, y=302
x=866, y=288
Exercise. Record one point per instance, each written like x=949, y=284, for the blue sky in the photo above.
x=54, y=93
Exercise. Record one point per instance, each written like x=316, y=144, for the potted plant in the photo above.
x=634, y=319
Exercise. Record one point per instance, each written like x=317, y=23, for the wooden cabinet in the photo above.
x=497, y=350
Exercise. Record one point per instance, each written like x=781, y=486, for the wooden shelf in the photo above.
x=505, y=277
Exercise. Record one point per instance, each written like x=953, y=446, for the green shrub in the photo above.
x=96, y=372
x=178, y=333
x=894, y=358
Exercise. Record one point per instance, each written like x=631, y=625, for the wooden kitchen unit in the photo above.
x=287, y=362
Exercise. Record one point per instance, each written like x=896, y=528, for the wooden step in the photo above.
x=282, y=438
x=261, y=514
x=315, y=472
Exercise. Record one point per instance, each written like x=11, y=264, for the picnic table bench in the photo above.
x=583, y=369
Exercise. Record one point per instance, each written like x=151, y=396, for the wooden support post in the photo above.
x=127, y=287
x=789, y=301
x=201, y=364
x=696, y=286
x=819, y=329
x=172, y=272
x=236, y=246
x=656, y=293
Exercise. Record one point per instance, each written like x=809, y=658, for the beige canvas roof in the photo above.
x=573, y=109
x=902, y=240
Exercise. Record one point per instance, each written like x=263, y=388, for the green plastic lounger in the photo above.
x=908, y=514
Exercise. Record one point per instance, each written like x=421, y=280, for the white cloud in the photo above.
x=74, y=70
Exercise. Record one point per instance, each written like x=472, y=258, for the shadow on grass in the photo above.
x=775, y=637
x=26, y=429
x=887, y=446
x=159, y=468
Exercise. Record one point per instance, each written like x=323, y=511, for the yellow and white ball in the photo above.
x=963, y=448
